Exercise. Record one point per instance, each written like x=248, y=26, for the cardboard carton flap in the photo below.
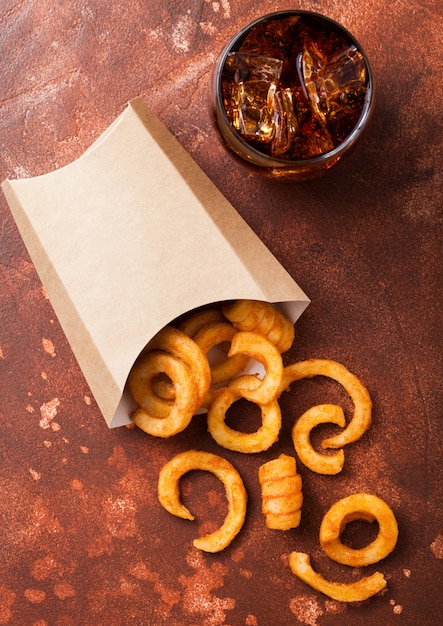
x=130, y=236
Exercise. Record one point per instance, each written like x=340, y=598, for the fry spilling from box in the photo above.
x=130, y=236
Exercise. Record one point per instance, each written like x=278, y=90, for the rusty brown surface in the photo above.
x=83, y=539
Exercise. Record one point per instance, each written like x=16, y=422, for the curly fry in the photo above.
x=163, y=418
x=362, y=417
x=267, y=321
x=316, y=462
x=147, y=369
x=358, y=506
x=257, y=347
x=169, y=494
x=261, y=317
x=193, y=322
x=358, y=591
x=162, y=387
x=231, y=439
x=172, y=340
x=282, y=496
x=282, y=332
x=213, y=334
x=248, y=313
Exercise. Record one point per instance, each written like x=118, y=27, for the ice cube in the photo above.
x=285, y=121
x=335, y=86
x=249, y=84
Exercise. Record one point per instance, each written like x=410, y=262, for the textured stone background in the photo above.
x=83, y=539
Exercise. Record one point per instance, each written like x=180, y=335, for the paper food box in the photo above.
x=130, y=236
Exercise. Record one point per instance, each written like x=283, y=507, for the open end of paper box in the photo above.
x=129, y=237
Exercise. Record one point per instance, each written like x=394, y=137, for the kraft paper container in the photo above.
x=130, y=236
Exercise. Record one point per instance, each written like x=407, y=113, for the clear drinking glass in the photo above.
x=292, y=93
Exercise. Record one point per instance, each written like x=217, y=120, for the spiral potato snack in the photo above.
x=358, y=506
x=282, y=496
x=300, y=564
x=169, y=494
x=215, y=334
x=261, y=317
x=362, y=417
x=175, y=376
x=317, y=462
x=231, y=439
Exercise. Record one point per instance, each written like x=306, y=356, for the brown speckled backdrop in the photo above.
x=83, y=540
